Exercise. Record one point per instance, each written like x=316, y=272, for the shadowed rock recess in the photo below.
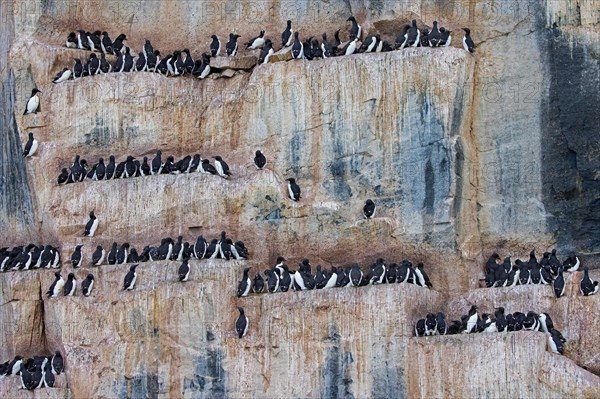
x=464, y=154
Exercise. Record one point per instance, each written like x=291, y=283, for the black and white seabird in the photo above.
x=413, y=35
x=118, y=46
x=63, y=76
x=130, y=278
x=244, y=285
x=106, y=44
x=558, y=284
x=98, y=256
x=335, y=50
x=31, y=146
x=286, y=36
x=184, y=271
x=272, y=280
x=57, y=363
x=422, y=278
x=258, y=284
x=266, y=52
x=297, y=47
x=188, y=63
x=355, y=30
x=200, y=247
x=256, y=42
x=293, y=189
x=232, y=47
x=128, y=65
x=570, y=265
x=369, y=45
x=157, y=164
x=215, y=46
x=326, y=49
x=94, y=40
x=556, y=341
x=91, y=226
x=369, y=209
x=82, y=40
x=33, y=104
x=471, y=320
x=71, y=41
x=424, y=38
x=76, y=258
x=468, y=44
x=402, y=38
x=87, y=285
x=545, y=321
x=56, y=287
x=202, y=67
x=378, y=272
x=241, y=324
x=588, y=287
x=420, y=328
x=140, y=62
x=430, y=324
x=48, y=376
x=501, y=324
x=122, y=254
x=25, y=377
x=445, y=37
x=356, y=276
x=434, y=36
x=70, y=285
x=351, y=47
x=221, y=167
x=259, y=160
x=93, y=65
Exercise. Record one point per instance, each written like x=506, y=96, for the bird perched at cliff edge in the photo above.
x=62, y=76
x=71, y=41
x=369, y=209
x=221, y=167
x=70, y=285
x=244, y=285
x=57, y=363
x=87, y=285
x=256, y=42
x=286, y=36
x=266, y=52
x=355, y=30
x=297, y=47
x=259, y=160
x=56, y=287
x=76, y=258
x=468, y=44
x=184, y=271
x=587, y=287
x=91, y=226
x=130, y=278
x=33, y=104
x=31, y=146
x=558, y=284
x=241, y=324
x=232, y=47
x=293, y=189
x=434, y=36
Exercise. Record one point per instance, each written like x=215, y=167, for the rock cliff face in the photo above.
x=463, y=154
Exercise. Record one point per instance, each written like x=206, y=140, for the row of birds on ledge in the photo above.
x=549, y=270
x=473, y=323
x=29, y=257
x=279, y=278
x=131, y=167
x=222, y=248
x=181, y=62
x=35, y=372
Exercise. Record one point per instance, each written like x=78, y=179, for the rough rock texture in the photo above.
x=237, y=62
x=464, y=155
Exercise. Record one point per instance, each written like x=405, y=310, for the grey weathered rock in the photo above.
x=464, y=154
x=235, y=63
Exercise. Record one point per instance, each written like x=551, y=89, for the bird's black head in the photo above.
x=111, y=158
x=100, y=160
x=369, y=202
x=218, y=158
x=257, y=151
x=296, y=34
x=132, y=268
x=93, y=56
x=291, y=180
x=78, y=246
x=280, y=259
x=246, y=270
x=289, y=23
x=34, y=92
x=30, y=135
x=90, y=276
x=105, y=33
x=554, y=252
x=92, y=215
x=262, y=33
x=122, y=36
x=241, y=310
x=467, y=31
x=214, y=37
x=57, y=274
x=532, y=253
x=351, y=19
x=71, y=276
